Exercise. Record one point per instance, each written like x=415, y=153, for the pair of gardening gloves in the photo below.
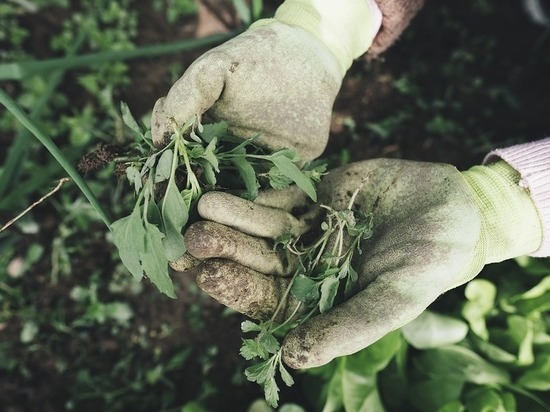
x=434, y=228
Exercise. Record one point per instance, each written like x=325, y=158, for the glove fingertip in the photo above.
x=185, y=263
x=159, y=124
x=300, y=350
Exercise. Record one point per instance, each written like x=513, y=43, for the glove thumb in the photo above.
x=193, y=94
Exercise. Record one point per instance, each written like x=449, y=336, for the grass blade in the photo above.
x=26, y=121
x=21, y=70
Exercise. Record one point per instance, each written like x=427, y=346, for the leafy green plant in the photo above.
x=494, y=358
x=324, y=273
x=197, y=155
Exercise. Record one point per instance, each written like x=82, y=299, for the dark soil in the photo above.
x=470, y=77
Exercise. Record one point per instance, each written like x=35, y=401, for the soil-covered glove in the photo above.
x=279, y=79
x=434, y=229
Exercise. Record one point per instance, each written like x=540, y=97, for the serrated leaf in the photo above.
x=285, y=375
x=271, y=392
x=129, y=237
x=290, y=170
x=154, y=261
x=329, y=289
x=164, y=166
x=261, y=372
x=251, y=349
x=247, y=173
x=175, y=213
x=277, y=180
x=210, y=131
x=269, y=342
x=249, y=326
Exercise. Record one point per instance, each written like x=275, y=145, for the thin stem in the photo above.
x=24, y=212
x=26, y=121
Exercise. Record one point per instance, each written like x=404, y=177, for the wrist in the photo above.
x=511, y=225
x=347, y=30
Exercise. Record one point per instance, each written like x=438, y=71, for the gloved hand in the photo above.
x=434, y=229
x=279, y=79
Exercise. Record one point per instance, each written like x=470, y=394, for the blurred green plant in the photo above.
x=490, y=352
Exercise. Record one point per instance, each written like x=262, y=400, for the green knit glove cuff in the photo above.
x=511, y=225
x=347, y=28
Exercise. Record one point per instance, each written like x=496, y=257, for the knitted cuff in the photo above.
x=347, y=28
x=532, y=161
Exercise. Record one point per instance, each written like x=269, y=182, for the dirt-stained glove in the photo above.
x=434, y=229
x=279, y=79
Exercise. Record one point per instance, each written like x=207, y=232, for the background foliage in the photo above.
x=78, y=333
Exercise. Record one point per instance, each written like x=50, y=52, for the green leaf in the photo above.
x=154, y=261
x=134, y=177
x=129, y=238
x=153, y=212
x=277, y=180
x=521, y=331
x=305, y=289
x=494, y=352
x=452, y=406
x=285, y=375
x=538, y=376
x=271, y=391
x=175, y=213
x=243, y=11
x=261, y=346
x=210, y=156
x=433, y=394
x=432, y=330
x=462, y=364
x=360, y=391
x=353, y=384
x=249, y=326
x=247, y=173
x=213, y=130
x=164, y=166
x=536, y=299
x=485, y=400
x=481, y=296
x=329, y=289
x=208, y=172
x=129, y=120
x=261, y=372
x=252, y=348
x=290, y=170
x=533, y=266
x=377, y=356
x=269, y=342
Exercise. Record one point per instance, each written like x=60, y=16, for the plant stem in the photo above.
x=20, y=146
x=26, y=121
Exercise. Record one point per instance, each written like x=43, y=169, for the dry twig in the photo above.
x=24, y=212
